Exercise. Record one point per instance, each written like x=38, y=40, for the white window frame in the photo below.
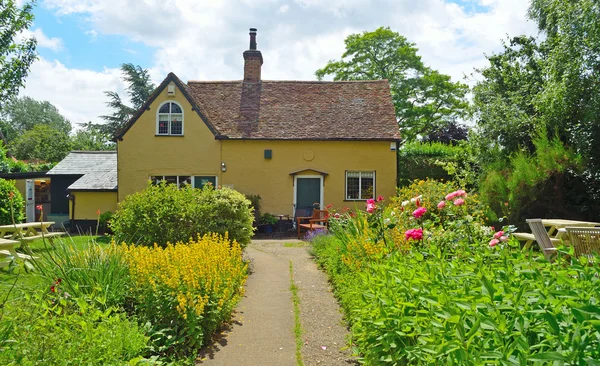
x=346, y=198
x=169, y=127
x=150, y=178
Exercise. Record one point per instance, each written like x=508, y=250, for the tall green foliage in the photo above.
x=424, y=99
x=552, y=83
x=531, y=184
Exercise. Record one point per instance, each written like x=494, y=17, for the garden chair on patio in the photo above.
x=585, y=240
x=541, y=237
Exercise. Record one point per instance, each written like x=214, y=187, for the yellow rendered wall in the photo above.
x=250, y=173
x=142, y=154
x=21, y=184
x=87, y=204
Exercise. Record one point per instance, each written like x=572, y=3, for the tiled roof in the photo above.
x=97, y=168
x=297, y=110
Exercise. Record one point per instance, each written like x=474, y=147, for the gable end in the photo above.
x=182, y=87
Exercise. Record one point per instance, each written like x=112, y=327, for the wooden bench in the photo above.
x=318, y=221
x=49, y=236
x=529, y=238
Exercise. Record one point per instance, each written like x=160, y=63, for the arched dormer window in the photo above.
x=170, y=119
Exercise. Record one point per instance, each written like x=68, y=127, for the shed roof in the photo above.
x=98, y=170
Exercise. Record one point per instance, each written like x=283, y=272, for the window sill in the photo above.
x=357, y=199
x=157, y=135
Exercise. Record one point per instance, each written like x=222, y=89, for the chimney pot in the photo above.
x=252, y=38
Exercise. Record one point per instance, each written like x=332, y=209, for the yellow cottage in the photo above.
x=293, y=143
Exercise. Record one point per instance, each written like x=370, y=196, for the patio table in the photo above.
x=556, y=230
x=28, y=231
x=7, y=249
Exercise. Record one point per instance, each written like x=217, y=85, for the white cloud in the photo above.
x=54, y=43
x=78, y=94
x=204, y=40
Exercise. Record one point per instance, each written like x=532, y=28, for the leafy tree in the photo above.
x=504, y=100
x=448, y=134
x=424, y=99
x=15, y=58
x=42, y=143
x=139, y=89
x=570, y=99
x=91, y=137
x=23, y=114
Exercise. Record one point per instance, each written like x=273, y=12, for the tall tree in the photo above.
x=90, y=137
x=23, y=114
x=139, y=89
x=15, y=57
x=42, y=143
x=506, y=117
x=424, y=99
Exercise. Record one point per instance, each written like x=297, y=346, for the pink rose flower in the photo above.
x=504, y=239
x=441, y=205
x=370, y=200
x=498, y=234
x=380, y=198
x=419, y=212
x=494, y=242
x=415, y=234
x=461, y=193
x=459, y=202
x=370, y=207
x=451, y=196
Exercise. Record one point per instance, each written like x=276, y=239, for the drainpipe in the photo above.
x=71, y=197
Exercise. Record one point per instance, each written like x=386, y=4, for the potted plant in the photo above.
x=267, y=221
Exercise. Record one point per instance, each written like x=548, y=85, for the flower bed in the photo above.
x=427, y=283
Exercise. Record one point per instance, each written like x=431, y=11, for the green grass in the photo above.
x=296, y=244
x=297, y=325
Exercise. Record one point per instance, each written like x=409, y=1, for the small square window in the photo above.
x=360, y=185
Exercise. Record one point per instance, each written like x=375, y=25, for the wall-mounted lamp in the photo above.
x=223, y=167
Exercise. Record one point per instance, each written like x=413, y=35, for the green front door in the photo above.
x=308, y=192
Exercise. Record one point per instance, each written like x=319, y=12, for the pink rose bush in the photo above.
x=441, y=205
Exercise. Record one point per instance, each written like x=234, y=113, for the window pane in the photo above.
x=171, y=179
x=164, y=108
x=176, y=124
x=163, y=124
x=156, y=179
x=200, y=182
x=185, y=180
x=175, y=108
x=366, y=189
x=351, y=187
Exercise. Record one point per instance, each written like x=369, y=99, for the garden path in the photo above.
x=262, y=331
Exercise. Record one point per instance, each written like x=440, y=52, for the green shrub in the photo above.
x=164, y=213
x=53, y=328
x=11, y=203
x=104, y=219
x=422, y=160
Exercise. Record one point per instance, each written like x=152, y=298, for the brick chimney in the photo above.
x=252, y=60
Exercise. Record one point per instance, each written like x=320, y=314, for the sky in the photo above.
x=82, y=43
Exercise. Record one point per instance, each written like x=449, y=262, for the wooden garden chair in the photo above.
x=585, y=240
x=318, y=221
x=541, y=237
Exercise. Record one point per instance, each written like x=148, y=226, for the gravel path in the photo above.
x=263, y=326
